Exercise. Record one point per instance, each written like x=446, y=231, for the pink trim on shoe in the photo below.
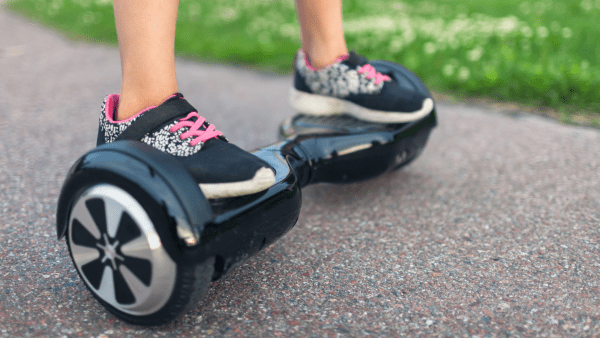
x=372, y=73
x=112, y=102
x=194, y=129
x=340, y=59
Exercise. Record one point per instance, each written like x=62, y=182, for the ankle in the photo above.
x=129, y=105
x=321, y=57
x=128, y=108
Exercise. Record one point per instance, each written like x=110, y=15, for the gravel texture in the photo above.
x=493, y=231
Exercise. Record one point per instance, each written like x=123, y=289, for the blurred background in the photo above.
x=541, y=54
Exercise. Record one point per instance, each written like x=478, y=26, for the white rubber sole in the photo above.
x=314, y=104
x=262, y=180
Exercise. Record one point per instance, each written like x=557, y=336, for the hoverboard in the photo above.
x=147, y=243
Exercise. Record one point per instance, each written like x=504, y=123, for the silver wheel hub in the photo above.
x=110, y=252
x=118, y=252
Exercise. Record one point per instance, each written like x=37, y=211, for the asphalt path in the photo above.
x=493, y=231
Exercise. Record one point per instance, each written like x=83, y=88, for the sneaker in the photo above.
x=351, y=85
x=221, y=169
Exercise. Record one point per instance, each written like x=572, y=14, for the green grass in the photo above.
x=542, y=53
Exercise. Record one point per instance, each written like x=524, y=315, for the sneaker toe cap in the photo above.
x=223, y=162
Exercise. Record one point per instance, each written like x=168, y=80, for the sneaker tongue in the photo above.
x=355, y=60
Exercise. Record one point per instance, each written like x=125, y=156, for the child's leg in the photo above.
x=146, y=31
x=150, y=110
x=322, y=33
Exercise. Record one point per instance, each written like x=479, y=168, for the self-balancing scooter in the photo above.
x=147, y=243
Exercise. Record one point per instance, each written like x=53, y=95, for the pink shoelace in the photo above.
x=194, y=129
x=372, y=73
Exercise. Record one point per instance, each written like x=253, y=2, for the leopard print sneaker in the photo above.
x=220, y=168
x=352, y=86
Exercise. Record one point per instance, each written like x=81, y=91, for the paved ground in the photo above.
x=493, y=231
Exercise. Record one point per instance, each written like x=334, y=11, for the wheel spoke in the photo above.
x=114, y=212
x=84, y=254
x=140, y=291
x=96, y=208
x=141, y=268
x=137, y=248
x=94, y=272
x=107, y=286
x=123, y=292
x=128, y=230
x=82, y=236
x=83, y=216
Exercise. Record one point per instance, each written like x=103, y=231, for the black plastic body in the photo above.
x=242, y=227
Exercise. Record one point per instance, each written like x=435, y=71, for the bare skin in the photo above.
x=146, y=32
x=322, y=33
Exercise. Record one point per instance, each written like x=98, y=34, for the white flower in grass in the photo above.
x=54, y=7
x=536, y=69
x=539, y=7
x=229, y=14
x=485, y=28
x=454, y=43
x=429, y=48
x=560, y=8
x=507, y=25
x=432, y=27
x=289, y=30
x=87, y=18
x=396, y=45
x=475, y=54
x=448, y=70
x=83, y=3
x=57, y=4
x=525, y=8
x=463, y=73
x=542, y=32
x=527, y=31
x=194, y=10
x=257, y=25
x=398, y=6
x=567, y=33
x=409, y=36
x=104, y=2
x=585, y=64
x=385, y=24
x=374, y=24
x=587, y=5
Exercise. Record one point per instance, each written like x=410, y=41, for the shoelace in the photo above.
x=194, y=129
x=372, y=73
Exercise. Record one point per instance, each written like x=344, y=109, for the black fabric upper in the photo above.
x=220, y=161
